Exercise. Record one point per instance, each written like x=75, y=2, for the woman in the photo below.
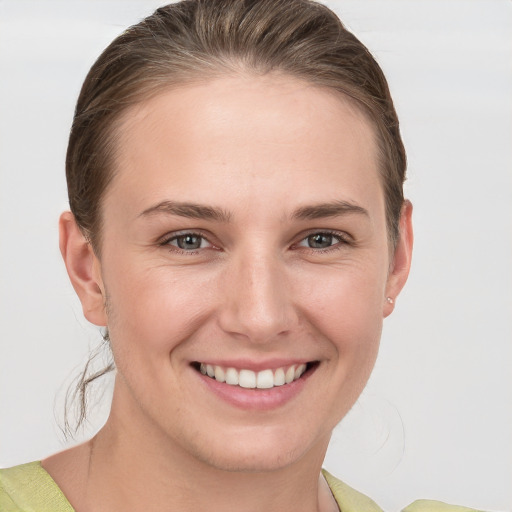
x=238, y=225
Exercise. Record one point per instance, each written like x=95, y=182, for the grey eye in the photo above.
x=320, y=240
x=189, y=242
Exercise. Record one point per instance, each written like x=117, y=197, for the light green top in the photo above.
x=29, y=488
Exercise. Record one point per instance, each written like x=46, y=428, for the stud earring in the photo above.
x=390, y=300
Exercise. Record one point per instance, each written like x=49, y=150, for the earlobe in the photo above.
x=401, y=261
x=83, y=268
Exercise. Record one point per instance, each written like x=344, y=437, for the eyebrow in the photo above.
x=323, y=210
x=198, y=211
x=190, y=210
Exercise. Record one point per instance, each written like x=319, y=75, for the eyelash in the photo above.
x=342, y=240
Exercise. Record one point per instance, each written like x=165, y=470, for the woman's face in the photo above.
x=244, y=236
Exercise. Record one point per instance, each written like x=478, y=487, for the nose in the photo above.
x=257, y=300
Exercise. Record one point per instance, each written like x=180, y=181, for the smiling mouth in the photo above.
x=249, y=379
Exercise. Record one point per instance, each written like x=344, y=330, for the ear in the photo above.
x=84, y=269
x=401, y=260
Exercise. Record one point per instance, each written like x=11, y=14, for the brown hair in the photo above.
x=194, y=40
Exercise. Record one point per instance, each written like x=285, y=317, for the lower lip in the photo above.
x=257, y=399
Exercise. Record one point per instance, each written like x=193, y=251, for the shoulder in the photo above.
x=29, y=487
x=436, y=506
x=350, y=500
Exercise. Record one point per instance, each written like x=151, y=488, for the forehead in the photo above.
x=242, y=133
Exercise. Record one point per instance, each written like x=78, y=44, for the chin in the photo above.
x=262, y=450
x=257, y=461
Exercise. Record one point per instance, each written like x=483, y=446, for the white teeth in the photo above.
x=279, y=377
x=265, y=379
x=290, y=375
x=247, y=379
x=219, y=374
x=232, y=377
x=300, y=370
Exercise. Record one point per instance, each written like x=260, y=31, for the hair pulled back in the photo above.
x=196, y=40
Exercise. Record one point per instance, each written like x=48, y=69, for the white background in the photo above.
x=436, y=419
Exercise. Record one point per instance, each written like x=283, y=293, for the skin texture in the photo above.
x=265, y=155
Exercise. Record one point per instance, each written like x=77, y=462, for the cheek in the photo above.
x=346, y=310
x=153, y=309
x=350, y=296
